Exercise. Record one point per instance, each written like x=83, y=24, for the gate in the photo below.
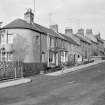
x=10, y=70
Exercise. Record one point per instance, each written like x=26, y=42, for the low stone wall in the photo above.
x=96, y=58
x=31, y=69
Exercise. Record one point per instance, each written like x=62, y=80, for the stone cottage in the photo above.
x=33, y=44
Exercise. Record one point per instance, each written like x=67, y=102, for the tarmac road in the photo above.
x=85, y=87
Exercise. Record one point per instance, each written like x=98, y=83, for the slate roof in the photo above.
x=83, y=38
x=99, y=39
x=88, y=40
x=92, y=38
x=67, y=38
x=19, y=23
x=48, y=31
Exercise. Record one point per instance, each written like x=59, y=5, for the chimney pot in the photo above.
x=89, y=31
x=68, y=31
x=29, y=16
x=81, y=31
x=54, y=27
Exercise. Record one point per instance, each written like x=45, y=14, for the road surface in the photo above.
x=85, y=87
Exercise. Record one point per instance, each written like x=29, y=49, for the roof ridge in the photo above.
x=70, y=39
x=20, y=23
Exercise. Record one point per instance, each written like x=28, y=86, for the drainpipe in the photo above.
x=40, y=50
x=0, y=39
x=41, y=71
x=48, y=50
x=7, y=43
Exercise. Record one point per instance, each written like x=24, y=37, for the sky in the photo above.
x=73, y=14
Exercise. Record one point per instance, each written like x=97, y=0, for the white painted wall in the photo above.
x=32, y=53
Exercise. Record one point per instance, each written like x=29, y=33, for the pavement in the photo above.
x=14, y=82
x=73, y=69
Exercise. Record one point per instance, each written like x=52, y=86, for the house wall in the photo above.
x=94, y=51
x=88, y=50
x=91, y=37
x=44, y=48
x=100, y=48
x=32, y=41
x=66, y=45
x=58, y=54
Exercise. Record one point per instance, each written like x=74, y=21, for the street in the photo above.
x=85, y=87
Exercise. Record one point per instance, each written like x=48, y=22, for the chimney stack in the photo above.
x=80, y=31
x=54, y=27
x=89, y=31
x=29, y=16
x=68, y=31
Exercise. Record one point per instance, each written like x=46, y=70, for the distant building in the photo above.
x=89, y=34
x=80, y=32
x=75, y=50
x=100, y=45
x=84, y=43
